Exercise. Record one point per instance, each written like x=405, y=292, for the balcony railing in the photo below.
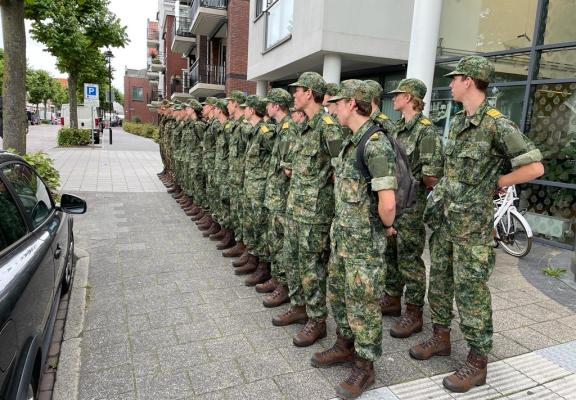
x=152, y=34
x=218, y=4
x=206, y=73
x=182, y=27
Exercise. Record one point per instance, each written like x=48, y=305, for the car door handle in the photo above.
x=58, y=251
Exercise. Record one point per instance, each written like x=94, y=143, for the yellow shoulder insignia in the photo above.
x=227, y=125
x=264, y=129
x=382, y=116
x=494, y=113
x=375, y=136
x=286, y=125
x=425, y=121
x=328, y=119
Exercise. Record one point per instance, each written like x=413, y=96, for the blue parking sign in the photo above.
x=90, y=91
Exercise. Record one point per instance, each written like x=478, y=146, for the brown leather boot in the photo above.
x=361, y=378
x=178, y=195
x=278, y=297
x=313, y=330
x=195, y=209
x=173, y=189
x=390, y=305
x=198, y=216
x=342, y=352
x=242, y=260
x=294, y=315
x=249, y=267
x=213, y=229
x=204, y=226
x=235, y=251
x=227, y=241
x=262, y=274
x=411, y=322
x=218, y=235
x=472, y=373
x=189, y=212
x=267, y=287
x=437, y=345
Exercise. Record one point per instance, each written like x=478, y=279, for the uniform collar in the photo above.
x=410, y=124
x=315, y=120
x=477, y=117
x=358, y=135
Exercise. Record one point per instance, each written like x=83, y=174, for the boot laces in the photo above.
x=406, y=320
x=310, y=325
x=355, y=376
x=465, y=371
x=431, y=342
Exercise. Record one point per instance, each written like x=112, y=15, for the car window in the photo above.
x=12, y=226
x=31, y=190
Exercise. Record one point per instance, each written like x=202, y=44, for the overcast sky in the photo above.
x=133, y=14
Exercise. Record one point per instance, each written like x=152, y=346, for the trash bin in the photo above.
x=96, y=136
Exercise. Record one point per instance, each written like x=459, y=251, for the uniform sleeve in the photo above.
x=431, y=154
x=334, y=137
x=381, y=162
x=515, y=145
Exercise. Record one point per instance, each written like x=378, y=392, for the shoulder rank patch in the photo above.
x=382, y=116
x=264, y=129
x=494, y=113
x=425, y=121
x=328, y=119
x=227, y=125
x=375, y=136
x=286, y=125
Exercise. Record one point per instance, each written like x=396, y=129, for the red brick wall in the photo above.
x=237, y=47
x=174, y=61
x=135, y=108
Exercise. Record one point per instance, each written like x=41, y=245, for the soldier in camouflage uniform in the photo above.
x=357, y=270
x=256, y=163
x=460, y=211
x=162, y=119
x=279, y=101
x=378, y=116
x=311, y=200
x=174, y=146
x=299, y=118
x=236, y=151
x=184, y=157
x=404, y=263
x=195, y=172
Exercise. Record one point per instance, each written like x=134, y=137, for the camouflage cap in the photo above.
x=255, y=102
x=237, y=95
x=332, y=89
x=375, y=87
x=221, y=104
x=311, y=80
x=209, y=101
x=279, y=96
x=195, y=104
x=412, y=86
x=476, y=67
x=353, y=89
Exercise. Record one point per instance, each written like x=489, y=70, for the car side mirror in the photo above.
x=72, y=204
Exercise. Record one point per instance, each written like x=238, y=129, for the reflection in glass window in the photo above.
x=473, y=26
x=552, y=128
x=279, y=22
x=508, y=100
x=557, y=64
x=137, y=93
x=559, y=24
x=12, y=226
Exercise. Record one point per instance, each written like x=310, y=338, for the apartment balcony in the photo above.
x=180, y=87
x=153, y=35
x=182, y=39
x=158, y=63
x=208, y=17
x=152, y=75
x=207, y=80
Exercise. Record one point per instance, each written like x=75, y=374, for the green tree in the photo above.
x=75, y=31
x=118, y=96
x=40, y=88
x=60, y=94
x=14, y=77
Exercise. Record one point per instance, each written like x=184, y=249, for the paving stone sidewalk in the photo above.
x=167, y=319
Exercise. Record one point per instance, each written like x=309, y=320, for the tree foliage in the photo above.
x=40, y=86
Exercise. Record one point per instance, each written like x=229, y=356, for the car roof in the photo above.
x=6, y=156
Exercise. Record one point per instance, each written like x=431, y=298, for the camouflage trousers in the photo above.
x=255, y=226
x=236, y=214
x=275, y=241
x=224, y=209
x=462, y=271
x=307, y=247
x=198, y=187
x=212, y=194
x=356, y=273
x=404, y=264
x=163, y=154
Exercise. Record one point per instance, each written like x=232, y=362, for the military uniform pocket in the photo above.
x=468, y=162
x=364, y=279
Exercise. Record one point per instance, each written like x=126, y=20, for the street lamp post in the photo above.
x=108, y=55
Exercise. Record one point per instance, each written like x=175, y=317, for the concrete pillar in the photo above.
x=423, y=43
x=261, y=88
x=332, y=68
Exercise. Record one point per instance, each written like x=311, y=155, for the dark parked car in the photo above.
x=36, y=264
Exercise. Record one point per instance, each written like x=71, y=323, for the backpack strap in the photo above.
x=360, y=164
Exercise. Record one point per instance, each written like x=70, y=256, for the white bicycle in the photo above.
x=512, y=231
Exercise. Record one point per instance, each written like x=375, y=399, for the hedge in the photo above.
x=146, y=130
x=73, y=137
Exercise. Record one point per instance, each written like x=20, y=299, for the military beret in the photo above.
x=311, y=80
x=476, y=67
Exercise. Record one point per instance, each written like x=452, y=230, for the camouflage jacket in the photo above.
x=186, y=140
x=237, y=152
x=354, y=207
x=221, y=152
x=277, y=182
x=311, y=194
x=477, y=149
x=209, y=145
x=383, y=120
x=197, y=128
x=257, y=161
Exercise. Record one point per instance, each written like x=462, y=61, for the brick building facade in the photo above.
x=137, y=94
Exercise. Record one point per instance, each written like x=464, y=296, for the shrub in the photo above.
x=136, y=120
x=145, y=130
x=44, y=165
x=73, y=137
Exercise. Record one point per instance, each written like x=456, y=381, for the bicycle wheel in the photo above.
x=514, y=234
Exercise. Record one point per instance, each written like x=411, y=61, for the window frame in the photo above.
x=132, y=93
x=267, y=47
x=20, y=208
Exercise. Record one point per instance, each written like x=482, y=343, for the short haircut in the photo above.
x=318, y=97
x=480, y=85
x=363, y=108
x=417, y=104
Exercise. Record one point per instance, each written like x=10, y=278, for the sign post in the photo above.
x=92, y=100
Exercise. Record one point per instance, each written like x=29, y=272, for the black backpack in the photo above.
x=407, y=184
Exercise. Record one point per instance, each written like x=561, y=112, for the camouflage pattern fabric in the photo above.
x=197, y=175
x=236, y=156
x=186, y=143
x=476, y=151
x=222, y=168
x=477, y=67
x=412, y=86
x=405, y=266
x=208, y=158
x=220, y=164
x=383, y=120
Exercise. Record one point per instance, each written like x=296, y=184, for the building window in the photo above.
x=137, y=93
x=279, y=22
x=558, y=25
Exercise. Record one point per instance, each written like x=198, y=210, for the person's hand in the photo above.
x=288, y=172
x=391, y=232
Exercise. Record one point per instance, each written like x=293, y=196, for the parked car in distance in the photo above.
x=36, y=266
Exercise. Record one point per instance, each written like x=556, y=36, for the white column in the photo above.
x=423, y=43
x=332, y=68
x=261, y=88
